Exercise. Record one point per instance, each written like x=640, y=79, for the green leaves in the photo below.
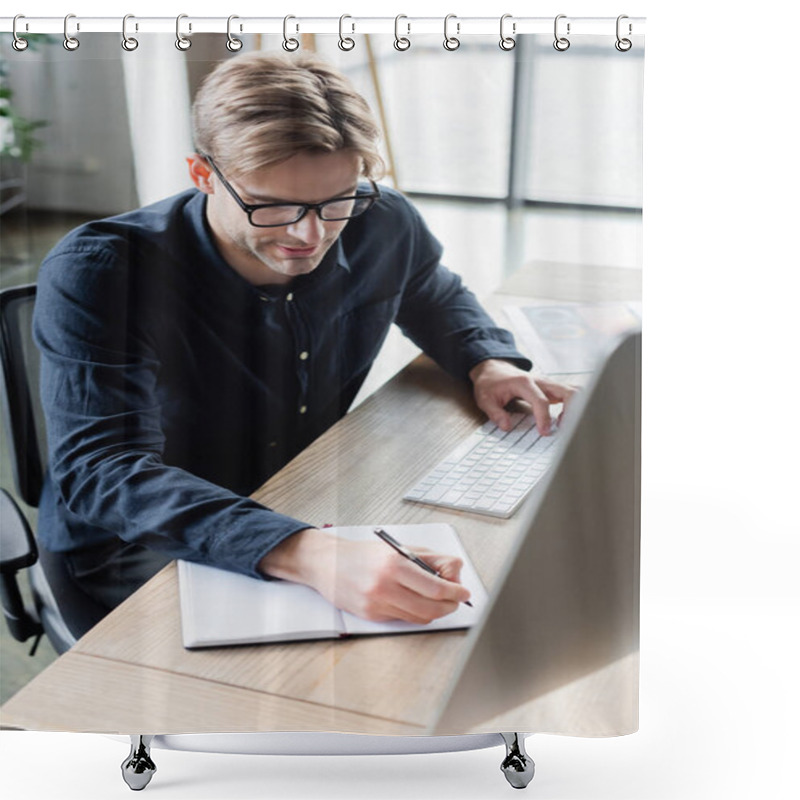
x=17, y=138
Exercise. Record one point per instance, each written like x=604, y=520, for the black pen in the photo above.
x=392, y=542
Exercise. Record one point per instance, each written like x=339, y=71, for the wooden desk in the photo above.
x=131, y=674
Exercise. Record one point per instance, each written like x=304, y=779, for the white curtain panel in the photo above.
x=258, y=346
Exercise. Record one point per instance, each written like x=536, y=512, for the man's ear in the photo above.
x=200, y=173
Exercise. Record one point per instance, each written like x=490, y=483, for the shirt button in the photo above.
x=273, y=444
x=303, y=409
x=289, y=297
x=303, y=355
x=263, y=298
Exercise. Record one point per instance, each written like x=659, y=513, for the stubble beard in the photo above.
x=282, y=266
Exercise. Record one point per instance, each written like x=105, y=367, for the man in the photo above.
x=192, y=347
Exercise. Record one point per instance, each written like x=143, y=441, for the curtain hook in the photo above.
x=451, y=42
x=561, y=43
x=289, y=44
x=128, y=42
x=345, y=42
x=401, y=42
x=181, y=42
x=507, y=42
x=19, y=44
x=233, y=44
x=70, y=42
x=623, y=45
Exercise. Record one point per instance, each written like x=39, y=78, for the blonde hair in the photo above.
x=257, y=110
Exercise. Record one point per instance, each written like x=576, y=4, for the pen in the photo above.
x=392, y=542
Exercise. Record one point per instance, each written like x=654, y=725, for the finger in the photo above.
x=540, y=406
x=399, y=602
x=413, y=607
x=560, y=394
x=529, y=392
x=557, y=392
x=495, y=411
x=448, y=567
x=439, y=589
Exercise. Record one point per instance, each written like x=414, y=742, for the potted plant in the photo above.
x=17, y=138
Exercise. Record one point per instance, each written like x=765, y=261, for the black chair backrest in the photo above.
x=22, y=410
x=65, y=611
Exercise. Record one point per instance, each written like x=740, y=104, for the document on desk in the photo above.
x=571, y=338
x=225, y=608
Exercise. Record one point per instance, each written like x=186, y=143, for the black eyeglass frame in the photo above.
x=250, y=209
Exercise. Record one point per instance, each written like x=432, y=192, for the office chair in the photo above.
x=61, y=611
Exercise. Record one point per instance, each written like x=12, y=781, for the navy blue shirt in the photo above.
x=173, y=388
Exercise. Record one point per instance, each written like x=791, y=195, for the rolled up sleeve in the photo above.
x=443, y=317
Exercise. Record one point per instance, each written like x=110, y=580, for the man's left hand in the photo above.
x=496, y=383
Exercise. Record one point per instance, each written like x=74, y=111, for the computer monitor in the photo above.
x=567, y=602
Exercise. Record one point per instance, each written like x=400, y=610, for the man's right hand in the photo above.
x=369, y=579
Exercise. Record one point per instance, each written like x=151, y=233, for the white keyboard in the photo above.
x=491, y=471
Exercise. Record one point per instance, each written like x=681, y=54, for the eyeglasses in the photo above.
x=276, y=215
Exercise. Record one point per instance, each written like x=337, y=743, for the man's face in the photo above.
x=276, y=255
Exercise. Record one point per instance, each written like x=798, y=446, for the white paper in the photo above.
x=219, y=607
x=222, y=607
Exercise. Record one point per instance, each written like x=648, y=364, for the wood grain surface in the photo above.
x=356, y=473
x=131, y=672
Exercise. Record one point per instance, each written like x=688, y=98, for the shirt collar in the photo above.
x=341, y=256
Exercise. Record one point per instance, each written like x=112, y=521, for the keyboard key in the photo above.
x=490, y=471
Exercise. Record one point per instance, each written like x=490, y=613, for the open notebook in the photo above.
x=225, y=608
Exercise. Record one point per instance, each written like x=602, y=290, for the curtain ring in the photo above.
x=623, y=45
x=19, y=44
x=289, y=44
x=345, y=42
x=128, y=42
x=70, y=42
x=401, y=42
x=451, y=42
x=561, y=43
x=181, y=42
x=507, y=42
x=233, y=44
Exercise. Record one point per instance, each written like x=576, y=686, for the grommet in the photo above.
x=623, y=45
x=290, y=44
x=561, y=43
x=19, y=44
x=70, y=42
x=181, y=42
x=401, y=43
x=233, y=44
x=451, y=42
x=345, y=42
x=507, y=42
x=128, y=42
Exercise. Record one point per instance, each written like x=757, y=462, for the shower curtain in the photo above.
x=518, y=166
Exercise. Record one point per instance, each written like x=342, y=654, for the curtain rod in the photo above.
x=348, y=25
